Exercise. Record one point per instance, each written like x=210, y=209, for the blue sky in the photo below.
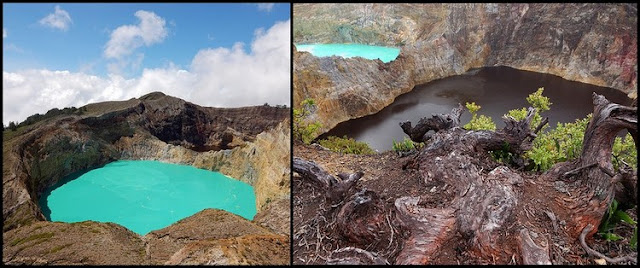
x=67, y=54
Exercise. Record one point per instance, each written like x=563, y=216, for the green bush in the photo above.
x=537, y=101
x=302, y=130
x=624, y=150
x=558, y=145
x=51, y=113
x=541, y=103
x=481, y=122
x=346, y=145
x=564, y=143
x=406, y=145
x=12, y=126
x=503, y=155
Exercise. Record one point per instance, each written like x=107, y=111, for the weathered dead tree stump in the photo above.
x=435, y=123
x=501, y=216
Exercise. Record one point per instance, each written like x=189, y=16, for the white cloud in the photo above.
x=266, y=7
x=231, y=77
x=4, y=33
x=127, y=38
x=220, y=77
x=60, y=19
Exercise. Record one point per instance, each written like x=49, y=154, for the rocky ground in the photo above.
x=314, y=239
x=208, y=237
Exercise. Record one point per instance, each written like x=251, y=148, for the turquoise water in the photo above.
x=145, y=195
x=385, y=54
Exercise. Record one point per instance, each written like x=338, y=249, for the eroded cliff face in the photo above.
x=250, y=144
x=590, y=43
x=263, y=163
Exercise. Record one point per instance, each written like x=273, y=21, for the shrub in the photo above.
x=503, y=155
x=302, y=130
x=565, y=143
x=346, y=145
x=624, y=150
x=537, y=101
x=559, y=144
x=51, y=113
x=406, y=145
x=481, y=122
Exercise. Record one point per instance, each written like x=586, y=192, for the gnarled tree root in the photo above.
x=493, y=213
x=361, y=219
x=335, y=188
x=430, y=228
x=531, y=252
x=355, y=256
x=633, y=258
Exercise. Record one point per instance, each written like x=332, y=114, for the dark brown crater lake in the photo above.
x=496, y=89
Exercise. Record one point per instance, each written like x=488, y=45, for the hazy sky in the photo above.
x=223, y=55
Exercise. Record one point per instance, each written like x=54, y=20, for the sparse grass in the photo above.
x=21, y=217
x=346, y=145
x=303, y=130
x=142, y=251
x=7, y=134
x=97, y=109
x=58, y=248
x=40, y=236
x=406, y=145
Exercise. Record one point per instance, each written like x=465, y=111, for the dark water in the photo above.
x=496, y=89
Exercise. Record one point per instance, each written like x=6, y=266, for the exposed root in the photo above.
x=361, y=219
x=633, y=258
x=532, y=253
x=335, y=188
x=430, y=228
x=479, y=217
x=352, y=255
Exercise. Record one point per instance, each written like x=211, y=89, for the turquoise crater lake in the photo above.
x=145, y=195
x=385, y=54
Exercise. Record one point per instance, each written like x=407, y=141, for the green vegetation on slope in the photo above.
x=406, y=145
x=346, y=145
x=560, y=144
x=303, y=130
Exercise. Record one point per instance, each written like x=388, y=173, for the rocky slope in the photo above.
x=208, y=237
x=250, y=144
x=590, y=43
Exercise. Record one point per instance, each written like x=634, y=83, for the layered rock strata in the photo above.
x=590, y=43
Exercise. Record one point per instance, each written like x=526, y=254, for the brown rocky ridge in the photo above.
x=250, y=144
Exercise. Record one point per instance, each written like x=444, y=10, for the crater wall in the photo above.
x=589, y=43
x=250, y=144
